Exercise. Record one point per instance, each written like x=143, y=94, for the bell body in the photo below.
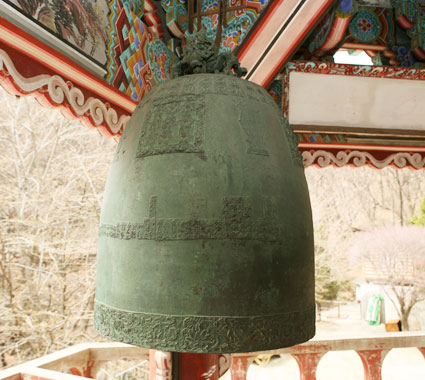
x=205, y=238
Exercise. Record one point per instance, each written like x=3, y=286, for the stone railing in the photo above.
x=84, y=361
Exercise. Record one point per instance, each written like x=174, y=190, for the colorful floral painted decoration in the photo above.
x=365, y=26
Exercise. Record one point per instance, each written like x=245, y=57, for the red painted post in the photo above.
x=372, y=363
x=183, y=366
x=422, y=350
x=197, y=366
x=308, y=364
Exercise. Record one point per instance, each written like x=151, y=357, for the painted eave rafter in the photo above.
x=60, y=82
x=278, y=33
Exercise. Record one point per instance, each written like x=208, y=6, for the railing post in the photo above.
x=160, y=365
x=308, y=364
x=88, y=369
x=372, y=363
x=239, y=366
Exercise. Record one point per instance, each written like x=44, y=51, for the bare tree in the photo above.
x=346, y=201
x=419, y=219
x=394, y=256
x=51, y=183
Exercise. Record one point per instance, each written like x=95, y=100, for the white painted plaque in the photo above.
x=341, y=103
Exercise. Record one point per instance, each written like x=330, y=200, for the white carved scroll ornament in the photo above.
x=58, y=90
x=224, y=363
x=358, y=158
x=210, y=373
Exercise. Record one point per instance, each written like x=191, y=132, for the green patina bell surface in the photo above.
x=206, y=240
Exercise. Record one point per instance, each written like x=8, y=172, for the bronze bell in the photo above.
x=206, y=239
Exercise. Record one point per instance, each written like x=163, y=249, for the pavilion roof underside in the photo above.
x=97, y=62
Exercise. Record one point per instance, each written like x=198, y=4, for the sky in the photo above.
x=342, y=56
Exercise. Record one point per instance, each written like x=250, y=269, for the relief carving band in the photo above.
x=203, y=333
x=237, y=222
x=173, y=126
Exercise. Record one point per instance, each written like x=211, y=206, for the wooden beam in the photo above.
x=198, y=14
x=221, y=15
x=35, y=50
x=376, y=3
x=381, y=3
x=190, y=15
x=279, y=33
x=184, y=18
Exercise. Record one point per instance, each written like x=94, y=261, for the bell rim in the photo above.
x=205, y=334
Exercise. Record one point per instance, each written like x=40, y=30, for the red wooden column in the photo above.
x=372, y=363
x=187, y=366
x=197, y=366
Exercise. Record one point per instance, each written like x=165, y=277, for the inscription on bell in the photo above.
x=119, y=150
x=291, y=138
x=253, y=126
x=197, y=206
x=175, y=126
x=205, y=84
x=152, y=206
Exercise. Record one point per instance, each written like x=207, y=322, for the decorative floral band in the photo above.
x=205, y=334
